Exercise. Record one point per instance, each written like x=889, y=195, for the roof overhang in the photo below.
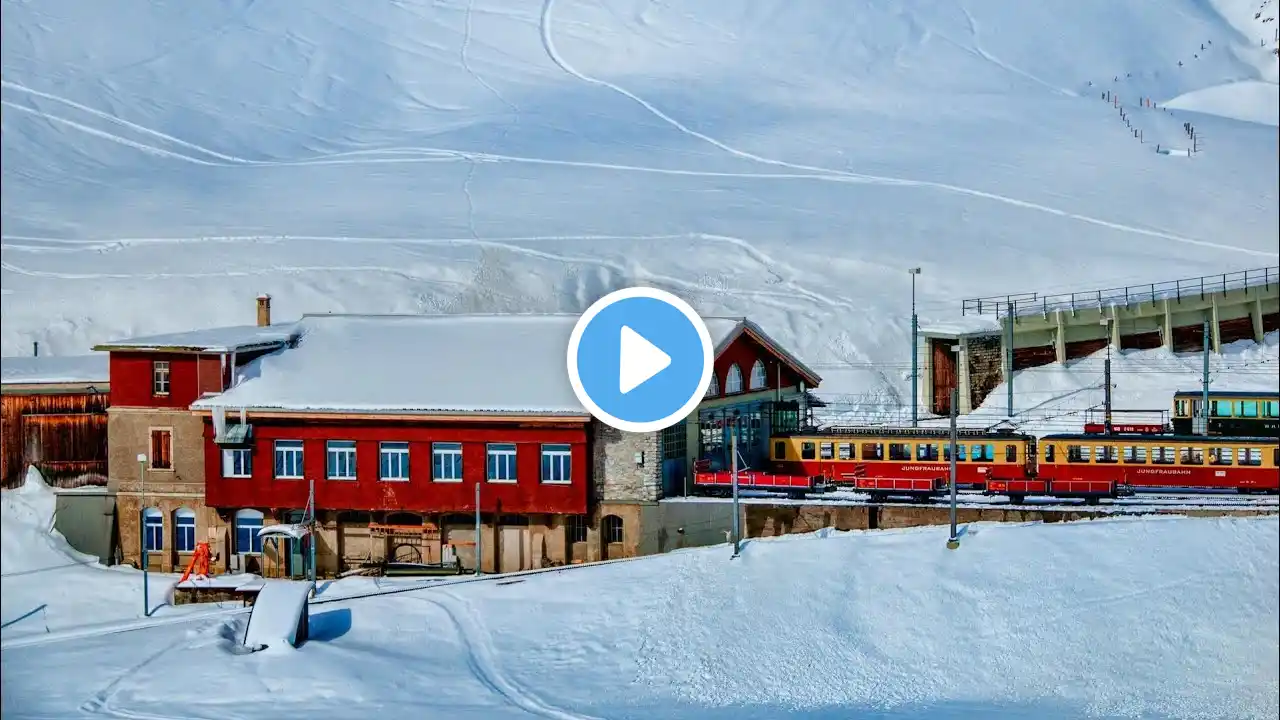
x=56, y=388
x=192, y=349
x=757, y=334
x=407, y=416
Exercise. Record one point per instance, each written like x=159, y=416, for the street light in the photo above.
x=142, y=530
x=915, y=351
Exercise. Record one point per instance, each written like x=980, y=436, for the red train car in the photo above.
x=721, y=483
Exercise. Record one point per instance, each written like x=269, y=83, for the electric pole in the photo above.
x=142, y=524
x=479, y=539
x=953, y=542
x=733, y=464
x=1008, y=358
x=1106, y=380
x=1204, y=384
x=915, y=353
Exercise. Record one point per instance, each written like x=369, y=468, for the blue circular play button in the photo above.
x=640, y=359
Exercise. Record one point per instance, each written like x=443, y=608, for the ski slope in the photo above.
x=780, y=160
x=1102, y=618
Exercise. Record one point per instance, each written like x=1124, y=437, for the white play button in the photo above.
x=638, y=361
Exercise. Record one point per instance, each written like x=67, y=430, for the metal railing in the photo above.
x=1037, y=304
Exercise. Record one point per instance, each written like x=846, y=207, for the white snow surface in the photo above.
x=277, y=612
x=220, y=339
x=783, y=161
x=1106, y=618
x=55, y=369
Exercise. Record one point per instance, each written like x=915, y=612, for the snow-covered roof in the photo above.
x=961, y=326
x=236, y=338
x=62, y=369
x=511, y=364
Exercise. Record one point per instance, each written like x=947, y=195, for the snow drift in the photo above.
x=28, y=541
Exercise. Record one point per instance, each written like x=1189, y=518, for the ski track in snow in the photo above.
x=429, y=154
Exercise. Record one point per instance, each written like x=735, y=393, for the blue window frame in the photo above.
x=341, y=459
x=502, y=462
x=446, y=461
x=557, y=464
x=153, y=529
x=393, y=459
x=248, y=523
x=289, y=459
x=184, y=530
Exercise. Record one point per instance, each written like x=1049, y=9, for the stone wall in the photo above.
x=616, y=476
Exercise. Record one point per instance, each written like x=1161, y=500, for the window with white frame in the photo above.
x=184, y=530
x=759, y=376
x=237, y=462
x=502, y=462
x=340, y=459
x=160, y=377
x=393, y=460
x=733, y=381
x=248, y=523
x=713, y=389
x=288, y=459
x=557, y=464
x=446, y=462
x=153, y=529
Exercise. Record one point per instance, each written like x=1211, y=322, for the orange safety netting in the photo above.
x=199, y=562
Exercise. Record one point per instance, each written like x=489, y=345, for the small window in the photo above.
x=960, y=452
x=153, y=530
x=826, y=450
x=1271, y=408
x=161, y=449
x=184, y=530
x=1220, y=408
x=780, y=450
x=557, y=464
x=237, y=462
x=446, y=462
x=248, y=523
x=759, y=376
x=926, y=452
x=1077, y=454
x=288, y=459
x=1220, y=456
x=393, y=461
x=872, y=451
x=1048, y=453
x=1251, y=457
x=1106, y=454
x=713, y=389
x=1192, y=456
x=899, y=451
x=1135, y=454
x=1180, y=408
x=160, y=377
x=1249, y=408
x=808, y=451
x=1011, y=453
x=1163, y=455
x=502, y=462
x=575, y=528
x=985, y=452
x=611, y=529
x=733, y=381
x=844, y=451
x=340, y=459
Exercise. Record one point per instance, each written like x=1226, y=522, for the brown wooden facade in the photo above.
x=60, y=430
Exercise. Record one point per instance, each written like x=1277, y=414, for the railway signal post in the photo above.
x=953, y=541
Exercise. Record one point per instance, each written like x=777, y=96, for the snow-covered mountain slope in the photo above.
x=783, y=160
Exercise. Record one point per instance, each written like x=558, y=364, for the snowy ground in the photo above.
x=784, y=160
x=1092, y=619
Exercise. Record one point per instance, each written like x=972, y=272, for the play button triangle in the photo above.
x=638, y=361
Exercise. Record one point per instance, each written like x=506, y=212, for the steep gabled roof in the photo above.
x=724, y=331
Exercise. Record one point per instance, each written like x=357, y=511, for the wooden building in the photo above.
x=53, y=415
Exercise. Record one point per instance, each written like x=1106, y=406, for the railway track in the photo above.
x=974, y=499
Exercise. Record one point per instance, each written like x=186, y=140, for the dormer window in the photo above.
x=733, y=382
x=759, y=377
x=160, y=377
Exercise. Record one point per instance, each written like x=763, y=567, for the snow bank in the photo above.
x=28, y=541
x=1049, y=621
x=1249, y=100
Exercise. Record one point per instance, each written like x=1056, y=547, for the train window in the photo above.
x=1192, y=456
x=1275, y=457
x=806, y=451
x=827, y=451
x=899, y=451
x=1249, y=456
x=1048, y=453
x=1271, y=408
x=946, y=452
x=1011, y=453
x=1249, y=408
x=1135, y=454
x=1077, y=454
x=1163, y=455
x=1219, y=456
x=780, y=450
x=872, y=451
x=926, y=451
x=984, y=453
x=1106, y=454
x=844, y=451
x=1220, y=408
x=1180, y=408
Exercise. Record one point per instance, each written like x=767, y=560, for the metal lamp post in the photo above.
x=142, y=531
x=733, y=455
x=915, y=352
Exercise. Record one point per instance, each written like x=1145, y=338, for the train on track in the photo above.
x=1098, y=463
x=1249, y=414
